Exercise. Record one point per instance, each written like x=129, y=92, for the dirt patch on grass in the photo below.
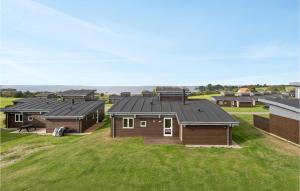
x=19, y=153
x=281, y=146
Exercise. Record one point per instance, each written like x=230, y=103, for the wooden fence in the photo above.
x=261, y=122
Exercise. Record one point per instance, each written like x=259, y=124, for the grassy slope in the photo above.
x=4, y=101
x=232, y=109
x=203, y=96
x=98, y=162
x=245, y=109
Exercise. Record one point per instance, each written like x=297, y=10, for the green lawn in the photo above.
x=203, y=96
x=107, y=106
x=4, y=101
x=98, y=162
x=246, y=109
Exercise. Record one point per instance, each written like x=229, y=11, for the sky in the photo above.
x=149, y=42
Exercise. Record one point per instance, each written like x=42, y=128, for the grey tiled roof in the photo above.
x=55, y=108
x=76, y=110
x=35, y=105
x=197, y=111
x=223, y=98
x=285, y=103
x=237, y=98
x=44, y=94
x=76, y=92
x=169, y=89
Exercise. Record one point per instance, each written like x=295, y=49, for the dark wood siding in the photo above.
x=261, y=123
x=225, y=103
x=38, y=120
x=154, y=127
x=170, y=98
x=285, y=128
x=245, y=104
x=72, y=125
x=205, y=135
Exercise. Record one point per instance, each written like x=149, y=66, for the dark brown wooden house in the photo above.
x=76, y=96
x=197, y=122
x=284, y=118
x=51, y=113
x=171, y=93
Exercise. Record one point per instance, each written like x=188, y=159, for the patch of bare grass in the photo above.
x=19, y=153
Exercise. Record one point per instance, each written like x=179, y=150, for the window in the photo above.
x=18, y=117
x=128, y=123
x=30, y=118
x=168, y=127
x=221, y=102
x=143, y=123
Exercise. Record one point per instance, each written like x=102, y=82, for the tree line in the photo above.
x=214, y=89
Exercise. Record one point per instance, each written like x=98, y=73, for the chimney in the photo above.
x=183, y=96
x=72, y=101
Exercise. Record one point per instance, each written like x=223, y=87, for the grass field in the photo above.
x=203, y=96
x=246, y=109
x=97, y=162
x=4, y=101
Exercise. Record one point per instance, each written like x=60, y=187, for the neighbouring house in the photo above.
x=284, y=118
x=229, y=101
x=46, y=95
x=78, y=95
x=147, y=93
x=297, y=89
x=227, y=93
x=8, y=92
x=244, y=101
x=192, y=122
x=171, y=93
x=125, y=94
x=114, y=98
x=51, y=113
x=244, y=90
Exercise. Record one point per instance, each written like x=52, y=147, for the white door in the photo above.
x=168, y=127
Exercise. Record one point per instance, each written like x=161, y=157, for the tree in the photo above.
x=209, y=87
x=19, y=94
x=252, y=88
x=200, y=88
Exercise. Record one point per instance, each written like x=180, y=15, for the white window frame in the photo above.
x=19, y=117
x=141, y=124
x=128, y=118
x=168, y=135
x=29, y=118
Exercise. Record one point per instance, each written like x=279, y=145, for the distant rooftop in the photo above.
x=244, y=90
x=290, y=104
x=295, y=84
x=75, y=93
x=175, y=89
x=44, y=94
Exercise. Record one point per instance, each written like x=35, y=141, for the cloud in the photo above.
x=44, y=22
x=271, y=50
x=23, y=71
